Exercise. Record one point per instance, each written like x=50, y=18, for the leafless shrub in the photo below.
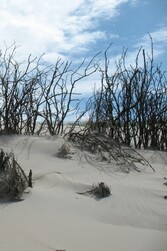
x=130, y=106
x=13, y=180
x=127, y=112
x=33, y=92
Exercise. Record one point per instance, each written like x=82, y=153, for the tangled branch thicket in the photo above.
x=13, y=180
x=128, y=110
x=36, y=96
x=110, y=150
x=130, y=105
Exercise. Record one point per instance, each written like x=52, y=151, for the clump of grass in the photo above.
x=100, y=190
x=64, y=151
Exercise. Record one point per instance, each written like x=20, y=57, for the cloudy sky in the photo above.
x=74, y=29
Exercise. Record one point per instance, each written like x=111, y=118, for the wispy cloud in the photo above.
x=99, y=8
x=70, y=29
x=57, y=29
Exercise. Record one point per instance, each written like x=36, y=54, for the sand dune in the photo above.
x=54, y=216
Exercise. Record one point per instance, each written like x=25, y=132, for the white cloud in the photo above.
x=65, y=28
x=51, y=27
x=106, y=7
x=160, y=35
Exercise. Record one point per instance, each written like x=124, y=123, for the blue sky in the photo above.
x=75, y=29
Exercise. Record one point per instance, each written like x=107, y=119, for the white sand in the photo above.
x=53, y=216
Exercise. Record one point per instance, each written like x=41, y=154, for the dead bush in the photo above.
x=13, y=180
x=100, y=144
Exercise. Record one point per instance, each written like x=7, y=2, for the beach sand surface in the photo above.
x=53, y=216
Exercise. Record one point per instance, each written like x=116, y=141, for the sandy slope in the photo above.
x=53, y=216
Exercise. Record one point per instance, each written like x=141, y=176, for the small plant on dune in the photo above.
x=13, y=180
x=100, y=190
x=64, y=151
